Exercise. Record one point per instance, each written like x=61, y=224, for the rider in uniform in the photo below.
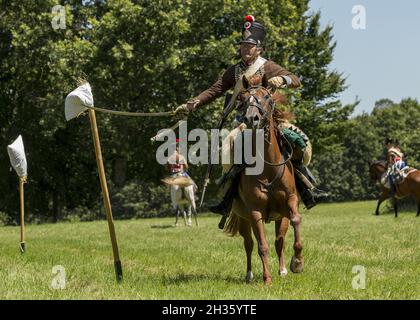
x=177, y=165
x=395, y=164
x=251, y=47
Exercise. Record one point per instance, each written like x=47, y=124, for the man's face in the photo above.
x=249, y=52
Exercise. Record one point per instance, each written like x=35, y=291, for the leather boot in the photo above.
x=225, y=205
x=308, y=192
x=306, y=196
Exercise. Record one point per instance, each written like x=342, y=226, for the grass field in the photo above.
x=164, y=262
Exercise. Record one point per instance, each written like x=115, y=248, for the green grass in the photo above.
x=163, y=262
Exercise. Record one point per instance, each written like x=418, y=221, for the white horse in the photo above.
x=184, y=198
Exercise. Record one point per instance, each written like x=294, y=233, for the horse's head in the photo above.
x=256, y=103
x=376, y=169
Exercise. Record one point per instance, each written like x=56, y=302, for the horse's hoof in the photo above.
x=268, y=281
x=283, y=272
x=296, y=265
x=249, y=277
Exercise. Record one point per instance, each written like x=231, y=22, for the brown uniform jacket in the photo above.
x=228, y=80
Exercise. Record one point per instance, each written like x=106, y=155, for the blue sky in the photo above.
x=382, y=61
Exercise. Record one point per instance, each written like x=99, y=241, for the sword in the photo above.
x=229, y=106
x=162, y=134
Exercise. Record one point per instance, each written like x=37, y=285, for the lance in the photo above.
x=105, y=194
x=76, y=103
x=17, y=157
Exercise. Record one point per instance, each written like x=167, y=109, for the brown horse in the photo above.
x=409, y=187
x=272, y=195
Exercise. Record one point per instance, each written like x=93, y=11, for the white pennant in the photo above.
x=77, y=100
x=17, y=157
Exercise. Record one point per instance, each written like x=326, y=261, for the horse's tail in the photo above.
x=232, y=225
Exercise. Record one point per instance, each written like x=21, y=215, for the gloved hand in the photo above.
x=182, y=110
x=192, y=104
x=185, y=108
x=277, y=82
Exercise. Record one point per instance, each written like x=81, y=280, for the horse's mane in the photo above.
x=280, y=116
x=380, y=162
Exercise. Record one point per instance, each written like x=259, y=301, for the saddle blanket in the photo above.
x=396, y=175
x=231, y=138
x=183, y=180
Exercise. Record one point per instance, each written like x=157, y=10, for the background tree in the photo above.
x=152, y=56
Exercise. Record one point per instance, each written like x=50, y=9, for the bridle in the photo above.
x=266, y=116
x=267, y=97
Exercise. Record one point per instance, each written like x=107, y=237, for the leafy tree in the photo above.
x=145, y=56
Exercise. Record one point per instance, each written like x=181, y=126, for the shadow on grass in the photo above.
x=163, y=226
x=185, y=278
x=167, y=226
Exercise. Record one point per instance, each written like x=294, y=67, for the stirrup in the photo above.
x=309, y=203
x=318, y=193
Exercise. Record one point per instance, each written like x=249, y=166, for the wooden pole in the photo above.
x=105, y=194
x=22, y=245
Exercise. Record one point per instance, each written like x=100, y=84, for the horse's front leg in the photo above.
x=377, y=207
x=184, y=214
x=191, y=198
x=263, y=250
x=395, y=206
x=189, y=223
x=383, y=197
x=195, y=215
x=281, y=230
x=176, y=216
x=245, y=232
x=296, y=264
